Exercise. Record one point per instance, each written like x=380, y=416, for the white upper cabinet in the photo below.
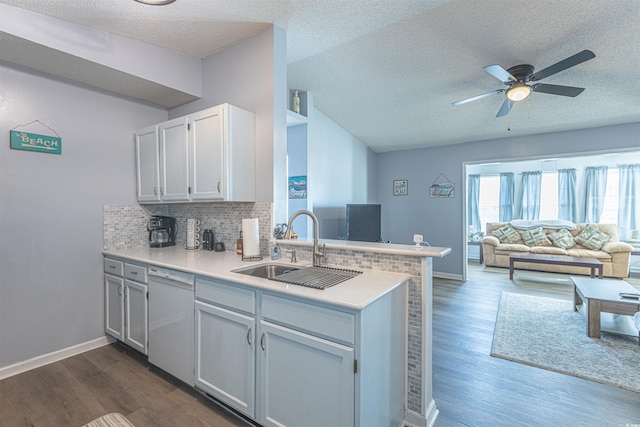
x=174, y=160
x=147, y=165
x=206, y=156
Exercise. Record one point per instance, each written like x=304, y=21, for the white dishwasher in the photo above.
x=171, y=322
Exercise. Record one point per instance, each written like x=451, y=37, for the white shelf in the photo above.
x=295, y=119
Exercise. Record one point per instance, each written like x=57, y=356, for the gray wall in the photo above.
x=341, y=170
x=252, y=75
x=51, y=207
x=440, y=220
x=51, y=283
x=297, y=166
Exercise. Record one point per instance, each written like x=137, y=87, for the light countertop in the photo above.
x=353, y=294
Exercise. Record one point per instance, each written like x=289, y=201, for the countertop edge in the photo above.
x=384, y=248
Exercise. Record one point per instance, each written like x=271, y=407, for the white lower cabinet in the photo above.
x=136, y=315
x=225, y=356
x=126, y=304
x=304, y=380
x=114, y=306
x=285, y=361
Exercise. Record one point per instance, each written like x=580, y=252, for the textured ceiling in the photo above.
x=387, y=71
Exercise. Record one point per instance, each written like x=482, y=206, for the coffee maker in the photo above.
x=162, y=231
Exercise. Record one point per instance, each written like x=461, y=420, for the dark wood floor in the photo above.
x=113, y=378
x=470, y=387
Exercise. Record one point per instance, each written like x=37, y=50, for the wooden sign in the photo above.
x=35, y=142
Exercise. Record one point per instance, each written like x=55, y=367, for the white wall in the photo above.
x=341, y=170
x=51, y=282
x=441, y=220
x=297, y=166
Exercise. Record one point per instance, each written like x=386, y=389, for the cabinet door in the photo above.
x=147, y=165
x=225, y=356
x=305, y=381
x=206, y=142
x=135, y=302
x=114, y=306
x=174, y=160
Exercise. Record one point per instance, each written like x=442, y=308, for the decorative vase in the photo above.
x=296, y=102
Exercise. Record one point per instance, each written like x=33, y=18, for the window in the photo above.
x=489, y=204
x=611, y=198
x=549, y=196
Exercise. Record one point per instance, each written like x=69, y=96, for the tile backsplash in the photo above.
x=126, y=226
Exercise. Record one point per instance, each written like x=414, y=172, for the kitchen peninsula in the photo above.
x=392, y=294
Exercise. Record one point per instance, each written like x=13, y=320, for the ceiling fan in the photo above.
x=517, y=77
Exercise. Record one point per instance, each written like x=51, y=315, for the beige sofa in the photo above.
x=614, y=254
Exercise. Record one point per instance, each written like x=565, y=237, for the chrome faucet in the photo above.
x=317, y=254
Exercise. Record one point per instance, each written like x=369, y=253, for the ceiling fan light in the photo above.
x=518, y=92
x=156, y=2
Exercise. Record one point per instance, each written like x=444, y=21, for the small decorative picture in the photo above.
x=298, y=187
x=400, y=187
x=443, y=189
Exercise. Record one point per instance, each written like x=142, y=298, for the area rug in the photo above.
x=547, y=333
x=113, y=419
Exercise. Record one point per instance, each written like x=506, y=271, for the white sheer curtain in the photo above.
x=567, y=204
x=473, y=203
x=595, y=186
x=629, y=207
x=531, y=184
x=506, y=196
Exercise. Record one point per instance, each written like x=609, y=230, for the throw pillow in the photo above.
x=562, y=239
x=535, y=237
x=506, y=234
x=592, y=238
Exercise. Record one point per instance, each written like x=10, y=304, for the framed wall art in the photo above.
x=400, y=187
x=442, y=188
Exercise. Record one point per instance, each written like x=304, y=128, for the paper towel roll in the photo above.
x=250, y=237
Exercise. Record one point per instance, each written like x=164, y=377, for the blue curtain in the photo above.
x=530, y=206
x=595, y=187
x=567, y=205
x=506, y=196
x=473, y=203
x=629, y=199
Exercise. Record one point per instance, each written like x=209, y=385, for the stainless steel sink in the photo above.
x=310, y=277
x=266, y=271
x=317, y=277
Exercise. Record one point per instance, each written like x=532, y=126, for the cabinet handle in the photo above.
x=120, y=290
x=161, y=189
x=249, y=336
x=112, y=267
x=218, y=185
x=134, y=273
x=262, y=343
x=155, y=190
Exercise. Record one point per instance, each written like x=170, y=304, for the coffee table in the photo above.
x=591, y=263
x=603, y=296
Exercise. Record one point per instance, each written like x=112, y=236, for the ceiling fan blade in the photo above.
x=506, y=107
x=475, y=98
x=558, y=90
x=500, y=73
x=569, y=62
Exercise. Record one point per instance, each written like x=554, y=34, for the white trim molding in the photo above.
x=45, y=359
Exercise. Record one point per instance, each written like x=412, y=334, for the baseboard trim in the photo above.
x=45, y=359
x=451, y=276
x=432, y=413
x=414, y=419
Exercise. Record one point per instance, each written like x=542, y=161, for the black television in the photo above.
x=363, y=222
